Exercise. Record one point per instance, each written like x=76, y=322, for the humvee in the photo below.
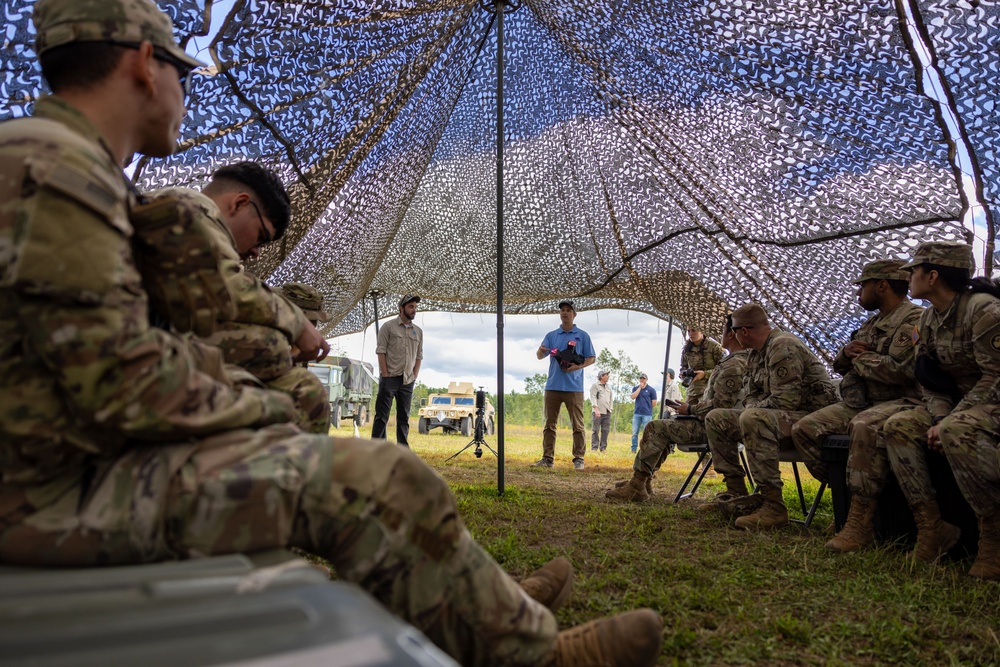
x=350, y=384
x=454, y=411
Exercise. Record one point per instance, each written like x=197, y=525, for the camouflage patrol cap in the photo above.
x=60, y=22
x=883, y=269
x=943, y=253
x=308, y=299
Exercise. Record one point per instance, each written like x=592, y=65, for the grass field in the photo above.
x=726, y=597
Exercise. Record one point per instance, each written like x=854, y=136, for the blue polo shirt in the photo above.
x=560, y=380
x=644, y=401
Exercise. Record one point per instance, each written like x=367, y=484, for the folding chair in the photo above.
x=794, y=457
x=704, y=456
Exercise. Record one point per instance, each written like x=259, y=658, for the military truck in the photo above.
x=454, y=411
x=350, y=384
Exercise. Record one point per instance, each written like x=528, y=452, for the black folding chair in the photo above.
x=794, y=457
x=704, y=460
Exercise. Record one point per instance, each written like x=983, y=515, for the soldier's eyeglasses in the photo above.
x=184, y=73
x=263, y=236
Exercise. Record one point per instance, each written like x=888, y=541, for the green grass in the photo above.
x=726, y=597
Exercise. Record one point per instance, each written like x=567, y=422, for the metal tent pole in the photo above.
x=500, y=5
x=666, y=362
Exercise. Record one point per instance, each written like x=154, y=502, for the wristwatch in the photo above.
x=937, y=419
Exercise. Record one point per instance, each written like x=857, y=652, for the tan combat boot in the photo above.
x=649, y=484
x=934, y=536
x=631, y=639
x=987, y=565
x=736, y=487
x=551, y=583
x=634, y=490
x=858, y=530
x=772, y=513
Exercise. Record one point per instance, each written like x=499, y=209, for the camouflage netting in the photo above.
x=676, y=158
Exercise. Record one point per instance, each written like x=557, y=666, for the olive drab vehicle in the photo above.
x=454, y=411
x=350, y=384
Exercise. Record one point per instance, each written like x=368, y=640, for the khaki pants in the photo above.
x=554, y=401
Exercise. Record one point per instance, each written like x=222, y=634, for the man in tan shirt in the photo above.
x=400, y=349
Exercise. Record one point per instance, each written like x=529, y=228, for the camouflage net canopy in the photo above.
x=678, y=158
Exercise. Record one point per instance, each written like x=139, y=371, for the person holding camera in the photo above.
x=569, y=351
x=602, y=401
x=672, y=391
x=699, y=357
x=645, y=399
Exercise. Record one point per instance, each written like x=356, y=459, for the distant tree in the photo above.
x=536, y=383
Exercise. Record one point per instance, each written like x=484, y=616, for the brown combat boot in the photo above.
x=987, y=565
x=631, y=639
x=736, y=487
x=649, y=484
x=551, y=583
x=772, y=513
x=634, y=490
x=858, y=530
x=934, y=536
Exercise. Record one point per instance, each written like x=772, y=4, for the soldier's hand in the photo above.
x=683, y=409
x=933, y=439
x=855, y=347
x=698, y=375
x=311, y=345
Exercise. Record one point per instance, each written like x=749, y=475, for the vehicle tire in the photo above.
x=422, y=425
x=361, y=416
x=490, y=426
x=466, y=426
x=335, y=415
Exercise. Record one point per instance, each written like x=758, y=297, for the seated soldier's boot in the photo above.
x=736, y=487
x=631, y=639
x=551, y=583
x=987, y=565
x=858, y=530
x=934, y=536
x=634, y=490
x=649, y=486
x=772, y=513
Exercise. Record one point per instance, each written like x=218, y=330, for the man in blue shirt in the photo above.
x=645, y=398
x=565, y=384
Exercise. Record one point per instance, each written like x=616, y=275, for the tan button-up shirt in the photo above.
x=402, y=344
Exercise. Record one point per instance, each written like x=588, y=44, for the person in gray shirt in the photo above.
x=602, y=401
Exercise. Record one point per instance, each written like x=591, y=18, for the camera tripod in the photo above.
x=477, y=440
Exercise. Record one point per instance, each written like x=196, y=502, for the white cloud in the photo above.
x=462, y=346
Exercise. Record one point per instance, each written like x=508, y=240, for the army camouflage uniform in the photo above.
x=784, y=382
x=660, y=435
x=258, y=336
x=702, y=357
x=93, y=399
x=884, y=375
x=966, y=341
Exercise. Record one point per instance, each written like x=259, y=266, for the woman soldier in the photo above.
x=699, y=357
x=958, y=366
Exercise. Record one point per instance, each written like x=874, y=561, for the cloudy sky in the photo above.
x=462, y=346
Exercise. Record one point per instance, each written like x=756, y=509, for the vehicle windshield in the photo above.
x=440, y=400
x=322, y=372
x=465, y=401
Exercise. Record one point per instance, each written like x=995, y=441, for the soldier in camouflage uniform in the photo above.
x=308, y=299
x=258, y=336
x=661, y=435
x=877, y=366
x=701, y=355
x=784, y=382
x=119, y=444
x=958, y=367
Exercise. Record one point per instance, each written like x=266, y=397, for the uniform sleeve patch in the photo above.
x=916, y=335
x=782, y=372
